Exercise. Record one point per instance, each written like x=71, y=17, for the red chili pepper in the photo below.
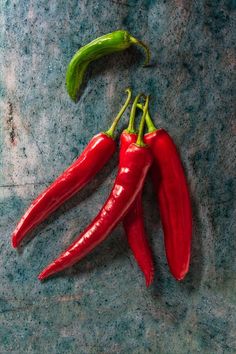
x=173, y=199
x=133, y=221
x=129, y=182
x=96, y=154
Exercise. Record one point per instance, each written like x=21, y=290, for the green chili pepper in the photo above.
x=109, y=43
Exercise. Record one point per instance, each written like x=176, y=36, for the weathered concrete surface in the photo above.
x=101, y=305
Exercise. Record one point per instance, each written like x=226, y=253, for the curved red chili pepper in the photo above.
x=96, y=154
x=129, y=182
x=134, y=225
x=133, y=221
x=173, y=199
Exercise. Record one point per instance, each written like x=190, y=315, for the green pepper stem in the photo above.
x=131, y=129
x=111, y=130
x=149, y=121
x=144, y=46
x=140, y=141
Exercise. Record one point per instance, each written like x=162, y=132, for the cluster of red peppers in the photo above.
x=139, y=153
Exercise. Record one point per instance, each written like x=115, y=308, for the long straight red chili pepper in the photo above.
x=133, y=221
x=173, y=199
x=96, y=154
x=129, y=182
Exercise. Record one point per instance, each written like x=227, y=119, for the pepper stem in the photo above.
x=131, y=129
x=140, y=141
x=110, y=131
x=149, y=121
x=144, y=46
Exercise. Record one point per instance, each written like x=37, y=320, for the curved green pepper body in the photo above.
x=107, y=44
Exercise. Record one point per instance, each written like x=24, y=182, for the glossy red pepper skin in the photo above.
x=96, y=154
x=173, y=200
x=129, y=182
x=133, y=223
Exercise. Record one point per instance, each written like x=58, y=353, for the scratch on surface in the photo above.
x=25, y=184
x=10, y=123
x=16, y=166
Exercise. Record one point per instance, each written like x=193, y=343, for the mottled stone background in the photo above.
x=102, y=305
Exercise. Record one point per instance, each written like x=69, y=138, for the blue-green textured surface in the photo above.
x=102, y=305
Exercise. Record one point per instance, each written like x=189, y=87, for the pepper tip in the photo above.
x=180, y=275
x=149, y=279
x=45, y=273
x=180, y=278
x=14, y=243
x=41, y=276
